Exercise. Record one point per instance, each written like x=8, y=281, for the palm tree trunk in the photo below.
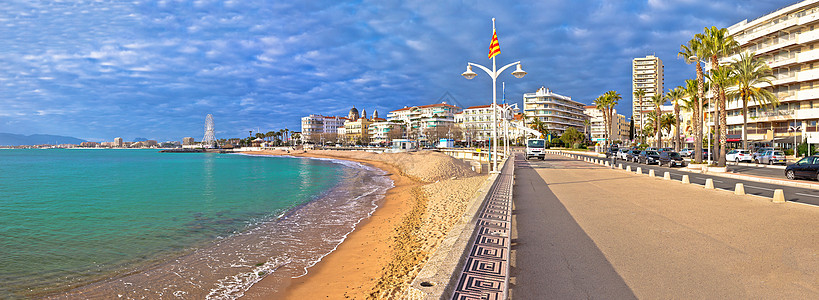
x=676, y=127
x=658, y=141
x=723, y=130
x=744, y=123
x=699, y=118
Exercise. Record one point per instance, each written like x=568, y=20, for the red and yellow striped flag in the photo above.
x=494, y=46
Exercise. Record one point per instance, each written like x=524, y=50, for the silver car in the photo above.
x=771, y=157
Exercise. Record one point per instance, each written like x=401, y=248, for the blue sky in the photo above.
x=99, y=69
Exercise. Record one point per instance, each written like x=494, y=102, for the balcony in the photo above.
x=807, y=94
x=806, y=75
x=808, y=37
x=767, y=29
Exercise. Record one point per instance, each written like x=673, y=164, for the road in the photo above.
x=794, y=194
x=582, y=231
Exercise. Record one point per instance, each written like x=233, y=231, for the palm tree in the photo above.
x=286, y=134
x=539, y=126
x=269, y=135
x=612, y=98
x=601, y=103
x=296, y=137
x=751, y=73
x=693, y=52
x=722, y=77
x=717, y=43
x=666, y=121
x=639, y=94
x=586, y=124
x=675, y=96
x=657, y=100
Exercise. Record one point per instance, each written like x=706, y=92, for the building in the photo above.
x=426, y=122
x=476, y=122
x=356, y=130
x=558, y=112
x=646, y=74
x=318, y=128
x=187, y=141
x=118, y=142
x=788, y=40
x=90, y=144
x=383, y=132
x=619, y=126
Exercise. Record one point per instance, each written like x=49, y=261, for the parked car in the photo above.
x=612, y=151
x=648, y=157
x=622, y=153
x=706, y=154
x=632, y=155
x=661, y=150
x=671, y=159
x=759, y=152
x=771, y=157
x=807, y=167
x=738, y=155
x=686, y=152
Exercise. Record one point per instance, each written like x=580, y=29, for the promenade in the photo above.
x=585, y=231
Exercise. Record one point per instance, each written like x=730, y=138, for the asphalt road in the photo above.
x=794, y=194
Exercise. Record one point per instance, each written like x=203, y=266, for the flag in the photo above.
x=494, y=47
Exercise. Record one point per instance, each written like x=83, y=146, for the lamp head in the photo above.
x=519, y=73
x=469, y=74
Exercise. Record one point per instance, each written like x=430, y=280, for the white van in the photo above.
x=536, y=148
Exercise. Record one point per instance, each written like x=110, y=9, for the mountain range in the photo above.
x=11, y=139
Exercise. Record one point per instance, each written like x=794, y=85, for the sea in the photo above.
x=130, y=224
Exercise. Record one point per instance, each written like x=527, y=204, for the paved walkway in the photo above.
x=583, y=231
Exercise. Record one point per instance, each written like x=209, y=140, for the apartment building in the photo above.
x=315, y=128
x=788, y=40
x=619, y=127
x=419, y=121
x=558, y=112
x=646, y=74
x=476, y=121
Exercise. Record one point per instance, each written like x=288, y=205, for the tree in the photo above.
x=675, y=96
x=296, y=137
x=640, y=93
x=539, y=126
x=586, y=124
x=693, y=52
x=721, y=77
x=269, y=135
x=666, y=121
x=260, y=135
x=601, y=103
x=716, y=43
x=571, y=136
x=657, y=101
x=751, y=76
x=612, y=98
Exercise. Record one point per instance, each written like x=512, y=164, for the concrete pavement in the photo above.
x=584, y=231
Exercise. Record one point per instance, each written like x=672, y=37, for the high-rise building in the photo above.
x=646, y=74
x=476, y=121
x=788, y=41
x=118, y=142
x=426, y=122
x=558, y=112
x=187, y=141
x=619, y=125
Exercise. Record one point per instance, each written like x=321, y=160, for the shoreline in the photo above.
x=356, y=264
x=384, y=252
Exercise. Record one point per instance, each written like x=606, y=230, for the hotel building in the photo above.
x=557, y=111
x=315, y=128
x=788, y=40
x=646, y=74
x=476, y=121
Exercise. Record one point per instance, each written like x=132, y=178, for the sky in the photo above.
x=100, y=69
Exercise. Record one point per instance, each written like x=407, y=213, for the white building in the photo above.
x=314, y=127
x=419, y=120
x=619, y=126
x=558, y=112
x=647, y=74
x=476, y=121
x=118, y=142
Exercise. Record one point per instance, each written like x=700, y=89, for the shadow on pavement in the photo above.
x=554, y=258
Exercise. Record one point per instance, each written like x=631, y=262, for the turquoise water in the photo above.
x=73, y=216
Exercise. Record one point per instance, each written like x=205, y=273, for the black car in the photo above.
x=671, y=159
x=612, y=151
x=807, y=167
x=648, y=157
x=632, y=155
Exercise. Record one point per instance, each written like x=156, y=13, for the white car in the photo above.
x=738, y=155
x=622, y=153
x=686, y=152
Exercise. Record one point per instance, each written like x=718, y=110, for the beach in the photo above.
x=383, y=254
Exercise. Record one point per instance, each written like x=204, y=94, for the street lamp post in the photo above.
x=794, y=129
x=494, y=73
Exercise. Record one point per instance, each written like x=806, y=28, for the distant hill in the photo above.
x=10, y=139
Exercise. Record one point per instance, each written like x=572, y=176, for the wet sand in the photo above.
x=385, y=252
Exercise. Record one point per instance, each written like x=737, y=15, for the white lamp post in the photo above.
x=795, y=129
x=494, y=73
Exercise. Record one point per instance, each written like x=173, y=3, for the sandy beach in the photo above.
x=385, y=252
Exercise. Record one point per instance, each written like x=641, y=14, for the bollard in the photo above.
x=639, y=170
x=685, y=179
x=667, y=176
x=651, y=173
x=779, y=196
x=739, y=189
x=709, y=183
x=628, y=168
x=620, y=166
x=606, y=164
